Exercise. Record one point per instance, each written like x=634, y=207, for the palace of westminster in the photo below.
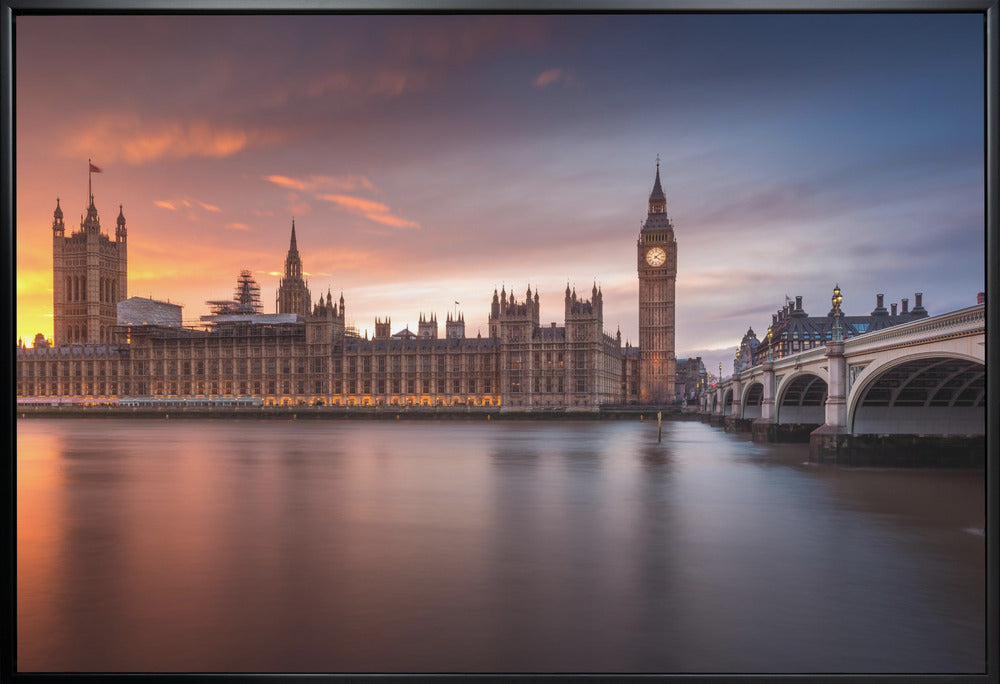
x=107, y=345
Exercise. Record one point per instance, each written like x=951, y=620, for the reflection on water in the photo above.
x=468, y=546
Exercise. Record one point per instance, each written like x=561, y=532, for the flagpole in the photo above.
x=90, y=173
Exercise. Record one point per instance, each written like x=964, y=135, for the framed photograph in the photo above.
x=465, y=340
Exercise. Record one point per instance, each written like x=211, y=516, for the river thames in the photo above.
x=504, y=546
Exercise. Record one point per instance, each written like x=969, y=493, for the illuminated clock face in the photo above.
x=656, y=257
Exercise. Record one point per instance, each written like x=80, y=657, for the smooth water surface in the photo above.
x=505, y=546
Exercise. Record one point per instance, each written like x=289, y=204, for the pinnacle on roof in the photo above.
x=58, y=212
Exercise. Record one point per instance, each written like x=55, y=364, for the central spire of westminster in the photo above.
x=293, y=264
x=293, y=293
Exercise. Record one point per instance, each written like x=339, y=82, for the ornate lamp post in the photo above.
x=837, y=299
x=770, y=350
x=720, y=371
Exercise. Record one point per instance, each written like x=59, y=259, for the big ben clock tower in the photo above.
x=657, y=266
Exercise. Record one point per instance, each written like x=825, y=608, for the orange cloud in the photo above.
x=238, y=226
x=373, y=211
x=356, y=204
x=286, y=182
x=113, y=138
x=343, y=182
x=185, y=202
x=548, y=77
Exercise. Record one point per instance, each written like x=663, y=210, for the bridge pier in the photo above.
x=783, y=433
x=734, y=424
x=895, y=451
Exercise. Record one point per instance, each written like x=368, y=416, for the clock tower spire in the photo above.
x=657, y=270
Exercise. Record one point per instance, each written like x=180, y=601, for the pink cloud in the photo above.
x=286, y=182
x=238, y=226
x=186, y=202
x=548, y=77
x=371, y=210
x=342, y=182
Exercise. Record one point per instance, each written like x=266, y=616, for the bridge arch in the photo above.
x=753, y=399
x=932, y=393
x=801, y=398
x=727, y=401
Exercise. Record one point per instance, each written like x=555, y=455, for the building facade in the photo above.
x=304, y=354
x=89, y=278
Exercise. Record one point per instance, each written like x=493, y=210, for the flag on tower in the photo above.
x=94, y=169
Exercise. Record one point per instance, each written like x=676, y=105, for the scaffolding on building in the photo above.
x=246, y=298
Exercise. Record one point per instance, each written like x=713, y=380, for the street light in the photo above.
x=837, y=299
x=770, y=351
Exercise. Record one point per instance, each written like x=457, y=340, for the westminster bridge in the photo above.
x=912, y=394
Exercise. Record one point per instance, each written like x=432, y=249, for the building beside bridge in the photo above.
x=793, y=330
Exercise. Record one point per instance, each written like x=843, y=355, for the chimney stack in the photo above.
x=906, y=305
x=918, y=307
x=879, y=306
x=893, y=308
x=798, y=302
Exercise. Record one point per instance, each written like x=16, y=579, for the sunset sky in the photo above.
x=430, y=159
